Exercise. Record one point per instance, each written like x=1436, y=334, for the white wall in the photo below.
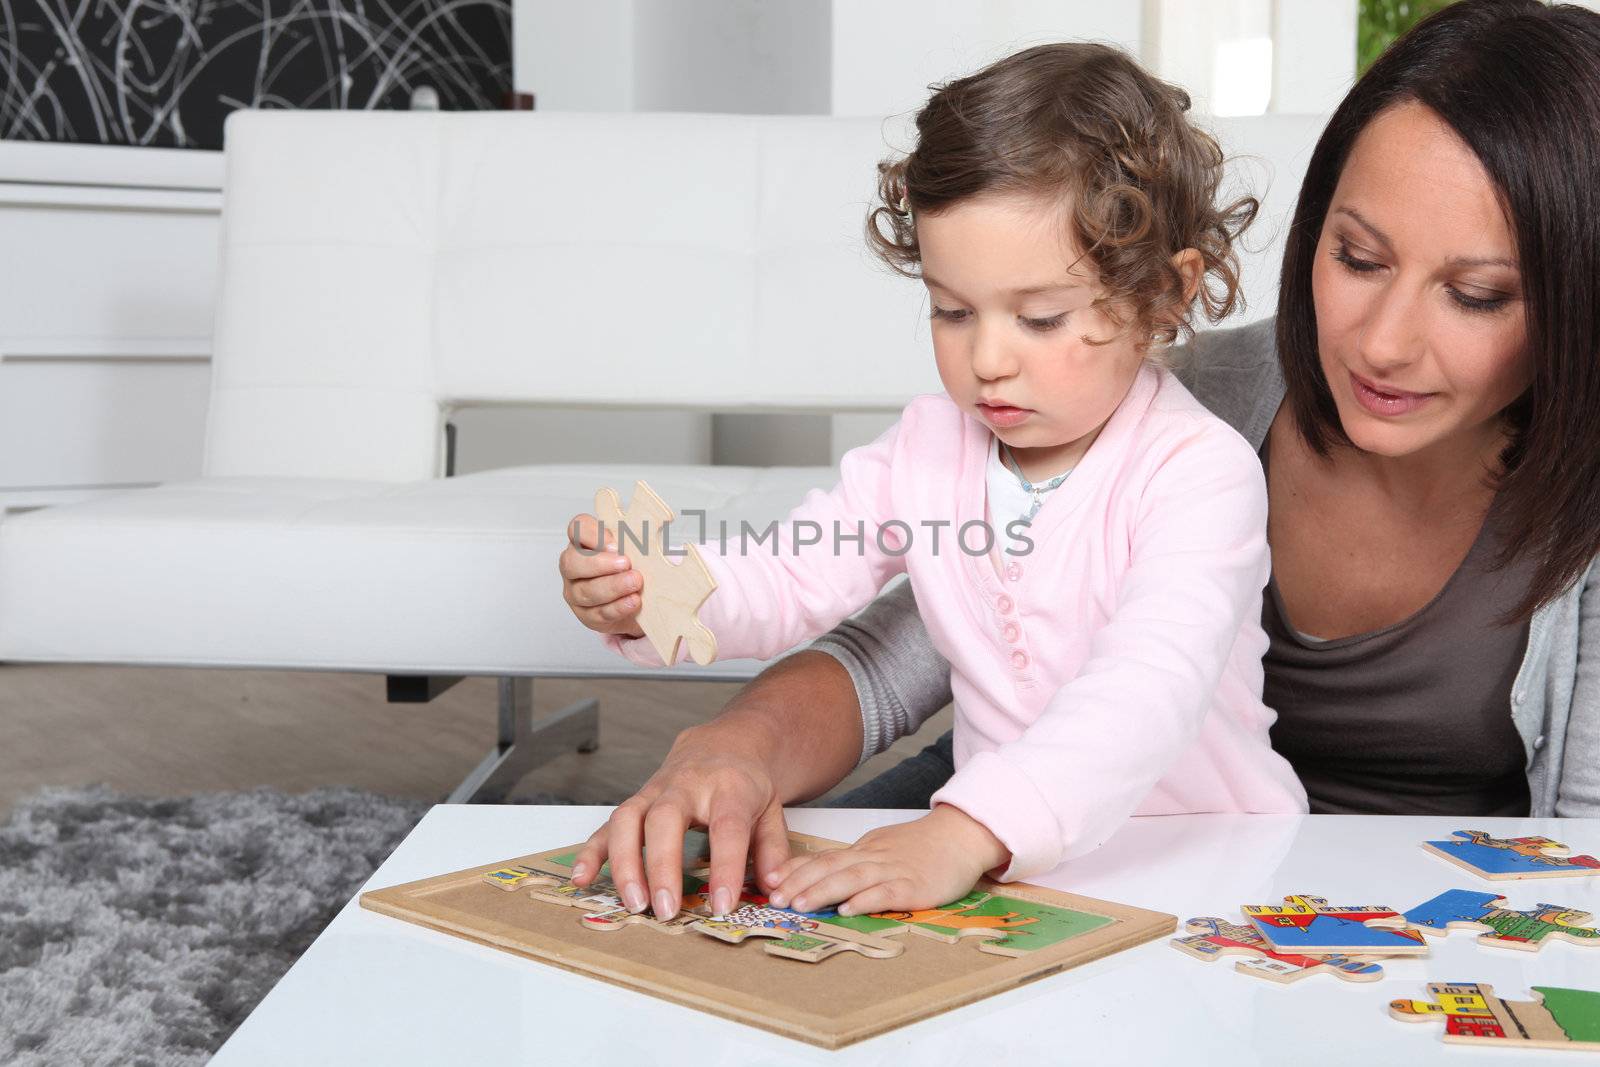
x=887, y=52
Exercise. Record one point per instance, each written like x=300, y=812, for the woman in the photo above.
x=1424, y=406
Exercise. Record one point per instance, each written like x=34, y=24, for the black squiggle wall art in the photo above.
x=166, y=73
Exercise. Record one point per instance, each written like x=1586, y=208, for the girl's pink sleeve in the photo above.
x=784, y=584
x=1197, y=566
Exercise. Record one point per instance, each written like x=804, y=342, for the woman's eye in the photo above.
x=1476, y=303
x=1353, y=263
x=1043, y=325
x=948, y=314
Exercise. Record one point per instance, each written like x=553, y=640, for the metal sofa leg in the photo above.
x=525, y=743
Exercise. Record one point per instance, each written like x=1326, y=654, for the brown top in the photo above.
x=1436, y=686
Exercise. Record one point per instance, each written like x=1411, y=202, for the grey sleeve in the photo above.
x=901, y=680
x=1580, y=760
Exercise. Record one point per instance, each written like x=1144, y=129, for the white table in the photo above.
x=376, y=990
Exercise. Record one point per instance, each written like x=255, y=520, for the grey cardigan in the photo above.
x=902, y=680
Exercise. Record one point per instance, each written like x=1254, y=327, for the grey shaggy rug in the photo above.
x=141, y=931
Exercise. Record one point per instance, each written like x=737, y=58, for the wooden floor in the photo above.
x=164, y=731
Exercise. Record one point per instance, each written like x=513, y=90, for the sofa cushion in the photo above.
x=453, y=575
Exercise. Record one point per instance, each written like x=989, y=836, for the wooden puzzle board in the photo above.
x=833, y=1003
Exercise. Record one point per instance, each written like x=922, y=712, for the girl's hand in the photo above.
x=600, y=585
x=922, y=864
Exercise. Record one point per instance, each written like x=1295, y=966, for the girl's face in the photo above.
x=1010, y=304
x=1418, y=296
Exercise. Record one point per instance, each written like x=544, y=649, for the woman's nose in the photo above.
x=1390, y=336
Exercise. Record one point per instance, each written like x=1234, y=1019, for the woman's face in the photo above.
x=1420, y=322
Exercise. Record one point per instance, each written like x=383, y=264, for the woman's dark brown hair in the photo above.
x=1519, y=83
x=1086, y=124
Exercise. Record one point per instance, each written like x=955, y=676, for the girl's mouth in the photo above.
x=1385, y=401
x=1003, y=416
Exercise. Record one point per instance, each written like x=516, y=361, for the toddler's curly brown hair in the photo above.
x=1083, y=122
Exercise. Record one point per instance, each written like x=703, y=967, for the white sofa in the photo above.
x=381, y=269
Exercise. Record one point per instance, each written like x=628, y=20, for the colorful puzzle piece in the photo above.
x=1473, y=1015
x=673, y=592
x=509, y=879
x=1212, y=938
x=1007, y=924
x=1512, y=857
x=1308, y=924
x=1505, y=927
x=808, y=937
x=1011, y=924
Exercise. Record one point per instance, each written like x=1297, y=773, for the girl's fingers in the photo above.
x=777, y=885
x=881, y=896
x=578, y=566
x=840, y=885
x=584, y=532
x=808, y=871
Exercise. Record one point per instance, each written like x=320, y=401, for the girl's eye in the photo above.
x=1043, y=325
x=1353, y=263
x=948, y=314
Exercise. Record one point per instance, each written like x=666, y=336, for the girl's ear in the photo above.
x=1191, y=268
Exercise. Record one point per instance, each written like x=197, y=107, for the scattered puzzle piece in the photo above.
x=1505, y=927
x=672, y=593
x=1308, y=924
x=1473, y=1015
x=1512, y=857
x=1212, y=938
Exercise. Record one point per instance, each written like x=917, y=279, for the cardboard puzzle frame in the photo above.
x=814, y=977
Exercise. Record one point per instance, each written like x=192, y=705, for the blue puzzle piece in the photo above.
x=1453, y=905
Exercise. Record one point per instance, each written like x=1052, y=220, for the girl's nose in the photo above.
x=991, y=354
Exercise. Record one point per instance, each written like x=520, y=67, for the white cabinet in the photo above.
x=107, y=285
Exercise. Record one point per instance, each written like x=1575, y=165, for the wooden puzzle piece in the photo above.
x=1006, y=924
x=800, y=936
x=1309, y=925
x=604, y=907
x=510, y=879
x=672, y=592
x=1557, y=1018
x=1512, y=857
x=1212, y=938
x=1465, y=909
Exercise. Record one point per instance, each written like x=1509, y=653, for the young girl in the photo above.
x=1087, y=544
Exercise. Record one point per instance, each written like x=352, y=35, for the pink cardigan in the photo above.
x=1113, y=669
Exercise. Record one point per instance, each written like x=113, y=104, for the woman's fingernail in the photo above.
x=800, y=904
x=773, y=879
x=633, y=897
x=580, y=870
x=777, y=901
x=720, y=902
x=845, y=909
x=664, y=908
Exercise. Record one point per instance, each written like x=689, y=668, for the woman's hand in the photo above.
x=599, y=585
x=922, y=864
x=710, y=779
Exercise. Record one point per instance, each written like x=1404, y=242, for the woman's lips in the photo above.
x=1003, y=416
x=1386, y=402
